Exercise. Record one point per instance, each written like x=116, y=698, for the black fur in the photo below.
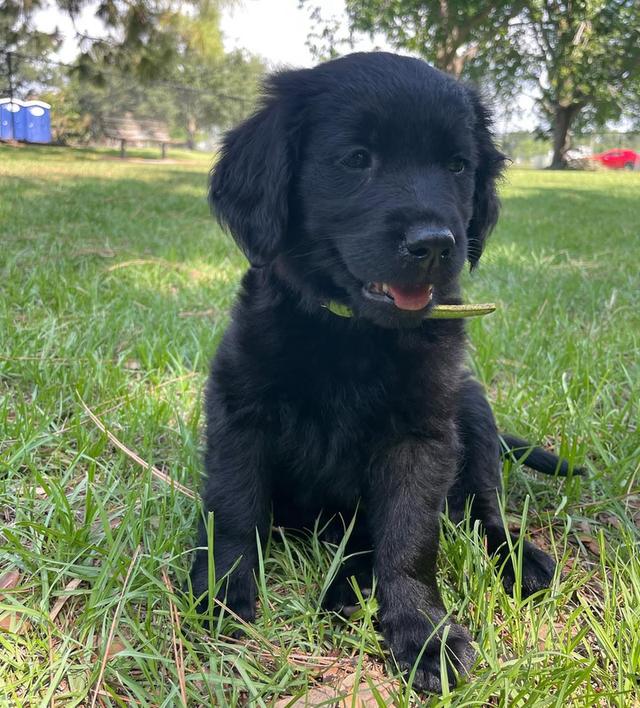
x=309, y=412
x=537, y=458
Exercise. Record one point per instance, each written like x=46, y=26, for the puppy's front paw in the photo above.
x=340, y=596
x=236, y=594
x=538, y=569
x=407, y=643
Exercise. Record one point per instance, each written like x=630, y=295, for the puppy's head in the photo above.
x=367, y=180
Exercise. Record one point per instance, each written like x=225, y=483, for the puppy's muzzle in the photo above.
x=429, y=244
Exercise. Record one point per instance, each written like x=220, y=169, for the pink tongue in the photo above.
x=411, y=298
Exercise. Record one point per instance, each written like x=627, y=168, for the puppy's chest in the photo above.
x=338, y=405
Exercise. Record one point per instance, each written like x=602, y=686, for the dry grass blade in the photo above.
x=102, y=252
x=178, y=651
x=114, y=624
x=199, y=313
x=140, y=261
x=112, y=403
x=124, y=699
x=193, y=272
x=60, y=602
x=52, y=703
x=249, y=628
x=48, y=359
x=136, y=458
x=310, y=662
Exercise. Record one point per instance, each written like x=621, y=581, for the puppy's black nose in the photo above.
x=430, y=242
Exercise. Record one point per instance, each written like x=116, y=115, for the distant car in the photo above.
x=618, y=159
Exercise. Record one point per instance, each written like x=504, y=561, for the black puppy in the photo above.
x=365, y=182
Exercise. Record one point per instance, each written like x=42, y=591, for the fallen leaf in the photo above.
x=556, y=630
x=314, y=697
x=362, y=694
x=590, y=542
x=633, y=500
x=14, y=623
x=584, y=526
x=9, y=580
x=609, y=520
x=345, y=693
x=115, y=648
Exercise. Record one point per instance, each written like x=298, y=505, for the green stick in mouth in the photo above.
x=452, y=312
x=437, y=312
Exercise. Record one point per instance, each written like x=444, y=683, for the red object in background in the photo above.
x=618, y=159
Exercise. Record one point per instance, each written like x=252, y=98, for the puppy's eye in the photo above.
x=457, y=165
x=357, y=160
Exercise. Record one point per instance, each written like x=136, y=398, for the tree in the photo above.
x=19, y=38
x=215, y=92
x=582, y=56
x=153, y=58
x=217, y=88
x=138, y=36
x=176, y=51
x=448, y=33
x=194, y=98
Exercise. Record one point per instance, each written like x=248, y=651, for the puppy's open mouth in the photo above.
x=414, y=297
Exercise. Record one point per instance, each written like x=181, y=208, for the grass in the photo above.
x=115, y=291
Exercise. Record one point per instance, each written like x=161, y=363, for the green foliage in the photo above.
x=116, y=287
x=196, y=99
x=584, y=56
x=156, y=59
x=175, y=70
x=176, y=52
x=141, y=36
x=581, y=57
x=70, y=122
x=19, y=36
x=451, y=34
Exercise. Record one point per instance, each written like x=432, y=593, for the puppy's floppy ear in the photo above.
x=249, y=185
x=491, y=162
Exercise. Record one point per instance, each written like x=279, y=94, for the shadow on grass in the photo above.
x=163, y=215
x=22, y=151
x=163, y=208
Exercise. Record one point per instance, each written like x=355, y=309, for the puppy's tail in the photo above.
x=537, y=458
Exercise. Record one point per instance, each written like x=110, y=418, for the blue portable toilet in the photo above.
x=38, y=119
x=13, y=119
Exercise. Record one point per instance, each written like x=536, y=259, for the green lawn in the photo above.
x=115, y=287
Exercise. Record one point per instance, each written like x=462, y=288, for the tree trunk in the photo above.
x=191, y=128
x=563, y=117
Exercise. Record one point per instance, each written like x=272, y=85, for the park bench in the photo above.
x=128, y=129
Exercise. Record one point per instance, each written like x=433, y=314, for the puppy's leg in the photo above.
x=480, y=481
x=406, y=498
x=236, y=491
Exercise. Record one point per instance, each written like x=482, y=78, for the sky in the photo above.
x=276, y=30
x=247, y=26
